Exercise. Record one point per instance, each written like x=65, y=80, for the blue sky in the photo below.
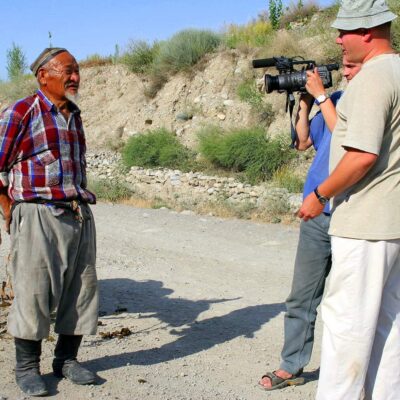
x=86, y=27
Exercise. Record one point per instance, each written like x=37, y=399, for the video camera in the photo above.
x=290, y=80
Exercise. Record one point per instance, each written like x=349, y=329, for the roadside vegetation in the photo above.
x=157, y=148
x=110, y=191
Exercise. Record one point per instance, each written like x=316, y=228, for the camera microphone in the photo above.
x=264, y=63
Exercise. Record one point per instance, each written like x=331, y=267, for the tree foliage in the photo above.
x=16, y=62
x=275, y=12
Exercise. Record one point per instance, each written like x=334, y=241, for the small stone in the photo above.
x=221, y=116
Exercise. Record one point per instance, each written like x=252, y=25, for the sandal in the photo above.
x=279, y=383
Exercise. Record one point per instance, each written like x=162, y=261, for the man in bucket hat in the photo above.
x=43, y=188
x=361, y=307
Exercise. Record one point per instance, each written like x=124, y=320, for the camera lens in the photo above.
x=289, y=82
x=271, y=83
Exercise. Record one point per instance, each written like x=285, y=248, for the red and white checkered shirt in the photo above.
x=42, y=155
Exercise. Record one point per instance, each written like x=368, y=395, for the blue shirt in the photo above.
x=321, y=139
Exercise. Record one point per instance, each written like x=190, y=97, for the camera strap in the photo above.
x=290, y=101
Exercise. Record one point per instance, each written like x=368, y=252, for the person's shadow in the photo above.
x=192, y=336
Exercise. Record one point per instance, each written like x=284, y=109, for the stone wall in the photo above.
x=192, y=188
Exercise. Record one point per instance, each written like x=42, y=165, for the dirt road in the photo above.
x=203, y=298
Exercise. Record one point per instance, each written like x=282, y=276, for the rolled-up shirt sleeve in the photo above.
x=10, y=123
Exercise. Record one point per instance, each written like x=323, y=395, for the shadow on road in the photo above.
x=192, y=336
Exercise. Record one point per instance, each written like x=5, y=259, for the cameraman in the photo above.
x=313, y=258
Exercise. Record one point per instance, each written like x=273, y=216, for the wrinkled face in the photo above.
x=352, y=44
x=60, y=78
x=350, y=69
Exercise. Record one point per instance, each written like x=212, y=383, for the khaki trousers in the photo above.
x=52, y=267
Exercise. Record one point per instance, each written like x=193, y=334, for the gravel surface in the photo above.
x=203, y=298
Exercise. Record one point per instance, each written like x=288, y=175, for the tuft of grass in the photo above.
x=106, y=190
x=20, y=87
x=139, y=56
x=248, y=92
x=285, y=177
x=244, y=150
x=157, y=148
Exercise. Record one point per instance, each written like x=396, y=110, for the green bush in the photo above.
x=244, y=150
x=184, y=50
x=107, y=190
x=139, y=56
x=157, y=148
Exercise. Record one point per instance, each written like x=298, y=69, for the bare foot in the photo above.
x=266, y=382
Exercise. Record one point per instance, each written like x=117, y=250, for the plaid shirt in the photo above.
x=42, y=156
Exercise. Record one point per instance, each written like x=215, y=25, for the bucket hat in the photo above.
x=357, y=14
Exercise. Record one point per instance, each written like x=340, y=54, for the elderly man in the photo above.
x=361, y=308
x=45, y=201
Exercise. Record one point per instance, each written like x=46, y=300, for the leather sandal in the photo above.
x=279, y=383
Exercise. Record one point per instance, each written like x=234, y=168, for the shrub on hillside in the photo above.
x=157, y=148
x=95, y=60
x=244, y=150
x=139, y=56
x=254, y=34
x=185, y=49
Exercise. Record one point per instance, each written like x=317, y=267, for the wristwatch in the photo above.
x=321, y=98
x=322, y=199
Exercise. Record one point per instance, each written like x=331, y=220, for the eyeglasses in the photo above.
x=67, y=71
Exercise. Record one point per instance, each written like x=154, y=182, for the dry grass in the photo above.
x=275, y=212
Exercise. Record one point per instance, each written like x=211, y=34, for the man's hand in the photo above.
x=314, y=84
x=5, y=204
x=310, y=208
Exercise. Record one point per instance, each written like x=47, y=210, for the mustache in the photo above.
x=71, y=84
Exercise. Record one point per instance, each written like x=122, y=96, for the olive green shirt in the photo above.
x=369, y=120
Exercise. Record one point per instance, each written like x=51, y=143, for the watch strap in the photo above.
x=321, y=99
x=322, y=199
